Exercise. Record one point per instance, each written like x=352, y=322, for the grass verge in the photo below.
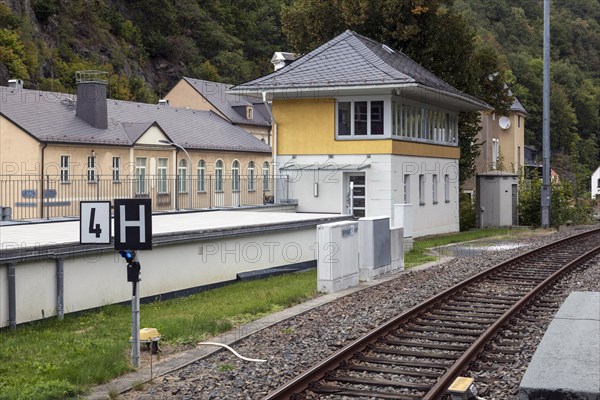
x=61, y=359
x=419, y=253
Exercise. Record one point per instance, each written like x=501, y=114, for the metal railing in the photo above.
x=53, y=196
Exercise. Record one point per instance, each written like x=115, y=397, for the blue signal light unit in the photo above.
x=128, y=255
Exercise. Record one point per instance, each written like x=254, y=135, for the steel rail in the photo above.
x=318, y=371
x=473, y=351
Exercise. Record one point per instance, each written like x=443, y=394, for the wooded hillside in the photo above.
x=147, y=45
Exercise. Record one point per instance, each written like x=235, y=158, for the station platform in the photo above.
x=566, y=364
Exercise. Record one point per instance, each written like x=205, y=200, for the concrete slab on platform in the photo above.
x=566, y=364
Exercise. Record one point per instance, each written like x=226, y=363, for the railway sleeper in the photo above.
x=376, y=382
x=425, y=345
x=488, y=300
x=434, y=326
x=341, y=391
x=436, y=330
x=487, y=306
x=403, y=363
x=475, y=319
x=422, y=354
x=481, y=311
x=432, y=338
x=485, y=297
x=386, y=370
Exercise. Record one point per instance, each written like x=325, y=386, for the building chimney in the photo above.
x=281, y=59
x=91, y=98
x=15, y=84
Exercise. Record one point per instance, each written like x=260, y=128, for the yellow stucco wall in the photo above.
x=19, y=152
x=308, y=127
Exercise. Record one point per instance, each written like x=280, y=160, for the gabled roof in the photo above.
x=518, y=107
x=351, y=60
x=216, y=94
x=50, y=118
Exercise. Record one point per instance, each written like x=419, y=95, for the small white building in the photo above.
x=596, y=183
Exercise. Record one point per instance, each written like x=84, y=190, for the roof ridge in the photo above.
x=358, y=36
x=400, y=53
x=300, y=61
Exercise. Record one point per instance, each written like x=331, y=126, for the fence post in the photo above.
x=42, y=196
x=210, y=191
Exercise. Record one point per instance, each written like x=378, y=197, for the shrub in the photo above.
x=467, y=215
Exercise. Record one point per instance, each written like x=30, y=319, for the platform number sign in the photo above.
x=133, y=224
x=94, y=223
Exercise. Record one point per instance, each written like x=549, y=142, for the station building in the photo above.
x=58, y=149
x=360, y=127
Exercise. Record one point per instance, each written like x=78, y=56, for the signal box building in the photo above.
x=359, y=127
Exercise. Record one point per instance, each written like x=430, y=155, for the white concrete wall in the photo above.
x=99, y=279
x=384, y=188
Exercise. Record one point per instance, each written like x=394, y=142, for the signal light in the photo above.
x=128, y=255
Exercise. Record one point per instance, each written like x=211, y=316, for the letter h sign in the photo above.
x=133, y=224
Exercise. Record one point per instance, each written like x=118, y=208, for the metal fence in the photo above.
x=53, y=196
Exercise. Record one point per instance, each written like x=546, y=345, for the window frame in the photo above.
x=422, y=189
x=92, y=169
x=65, y=168
x=219, y=172
x=141, y=187
x=424, y=123
x=162, y=172
x=251, y=176
x=434, y=188
x=353, y=102
x=266, y=172
x=406, y=184
x=116, y=169
x=182, y=176
x=235, y=176
x=201, y=175
x=447, y=188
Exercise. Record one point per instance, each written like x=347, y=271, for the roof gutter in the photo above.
x=274, y=124
x=322, y=91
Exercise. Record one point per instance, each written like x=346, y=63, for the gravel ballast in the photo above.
x=292, y=346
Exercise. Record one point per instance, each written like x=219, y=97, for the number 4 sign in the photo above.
x=94, y=223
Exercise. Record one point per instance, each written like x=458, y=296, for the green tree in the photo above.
x=12, y=54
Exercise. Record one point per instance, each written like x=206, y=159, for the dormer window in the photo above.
x=249, y=113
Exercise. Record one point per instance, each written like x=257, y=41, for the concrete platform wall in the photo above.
x=98, y=279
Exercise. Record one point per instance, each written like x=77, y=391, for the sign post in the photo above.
x=133, y=231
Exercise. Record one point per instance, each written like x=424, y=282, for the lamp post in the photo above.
x=189, y=174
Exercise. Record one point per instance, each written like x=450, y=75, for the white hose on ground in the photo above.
x=231, y=350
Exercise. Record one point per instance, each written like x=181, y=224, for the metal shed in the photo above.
x=497, y=199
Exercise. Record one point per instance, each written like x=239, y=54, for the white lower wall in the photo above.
x=100, y=279
x=385, y=187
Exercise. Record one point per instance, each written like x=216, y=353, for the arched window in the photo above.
x=219, y=176
x=266, y=173
x=235, y=176
x=251, y=176
x=201, y=184
x=182, y=176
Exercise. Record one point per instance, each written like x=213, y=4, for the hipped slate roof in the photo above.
x=351, y=60
x=231, y=105
x=50, y=118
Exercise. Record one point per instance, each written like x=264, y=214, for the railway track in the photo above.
x=418, y=354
